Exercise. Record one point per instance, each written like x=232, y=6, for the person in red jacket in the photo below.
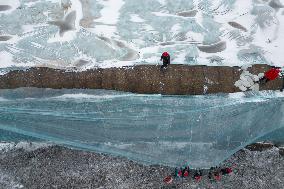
x=270, y=75
x=185, y=172
x=197, y=175
x=166, y=59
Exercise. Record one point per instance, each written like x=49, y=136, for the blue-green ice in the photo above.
x=200, y=131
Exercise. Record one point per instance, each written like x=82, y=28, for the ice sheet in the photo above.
x=137, y=32
x=200, y=131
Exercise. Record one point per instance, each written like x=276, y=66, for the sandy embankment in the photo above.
x=147, y=79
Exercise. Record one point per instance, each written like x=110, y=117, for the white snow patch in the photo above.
x=27, y=146
x=104, y=30
x=28, y=28
x=111, y=11
x=236, y=95
x=6, y=59
x=31, y=4
x=198, y=37
x=77, y=6
x=169, y=15
x=176, y=28
x=136, y=18
x=106, y=24
x=82, y=96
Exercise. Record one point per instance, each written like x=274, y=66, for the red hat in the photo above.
x=165, y=54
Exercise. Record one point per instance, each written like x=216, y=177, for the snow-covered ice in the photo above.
x=115, y=33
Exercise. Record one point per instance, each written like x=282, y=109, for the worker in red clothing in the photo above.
x=226, y=170
x=270, y=75
x=185, y=172
x=197, y=175
x=168, y=179
x=214, y=174
x=166, y=59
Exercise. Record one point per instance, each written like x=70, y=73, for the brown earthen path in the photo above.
x=148, y=79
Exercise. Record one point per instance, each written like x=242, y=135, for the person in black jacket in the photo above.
x=166, y=59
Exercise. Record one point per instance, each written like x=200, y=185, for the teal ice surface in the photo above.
x=200, y=131
x=8, y=136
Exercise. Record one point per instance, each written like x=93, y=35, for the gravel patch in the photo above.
x=45, y=166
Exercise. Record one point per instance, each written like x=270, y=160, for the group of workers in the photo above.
x=214, y=174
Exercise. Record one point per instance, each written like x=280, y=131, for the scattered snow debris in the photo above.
x=205, y=89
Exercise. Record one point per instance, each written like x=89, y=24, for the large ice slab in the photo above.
x=200, y=131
